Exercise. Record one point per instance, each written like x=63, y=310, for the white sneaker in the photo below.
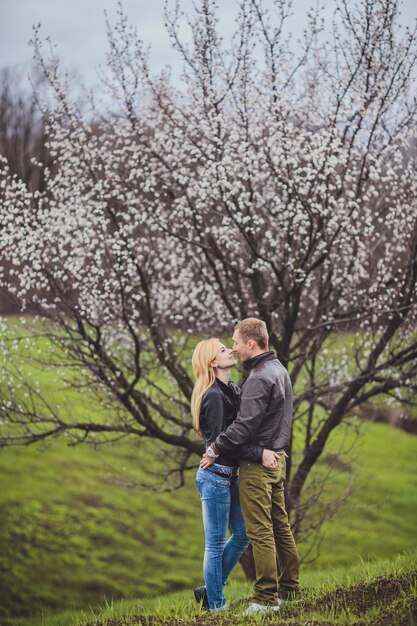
x=257, y=608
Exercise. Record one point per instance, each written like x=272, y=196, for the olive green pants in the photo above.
x=261, y=492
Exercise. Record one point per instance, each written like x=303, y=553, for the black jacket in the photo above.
x=265, y=413
x=219, y=407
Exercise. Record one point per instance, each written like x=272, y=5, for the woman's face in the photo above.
x=224, y=358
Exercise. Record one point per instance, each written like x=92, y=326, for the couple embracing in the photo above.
x=241, y=475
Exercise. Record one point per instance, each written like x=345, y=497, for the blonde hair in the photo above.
x=252, y=328
x=204, y=353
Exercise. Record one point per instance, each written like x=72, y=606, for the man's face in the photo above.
x=244, y=350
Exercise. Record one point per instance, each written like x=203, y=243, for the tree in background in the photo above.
x=22, y=136
x=266, y=184
x=22, y=140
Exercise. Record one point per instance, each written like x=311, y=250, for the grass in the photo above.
x=382, y=592
x=71, y=536
x=381, y=511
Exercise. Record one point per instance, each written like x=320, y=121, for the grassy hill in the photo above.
x=382, y=593
x=71, y=537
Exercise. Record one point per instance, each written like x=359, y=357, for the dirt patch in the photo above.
x=401, y=613
x=387, y=597
x=364, y=596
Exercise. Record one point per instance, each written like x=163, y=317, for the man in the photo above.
x=264, y=419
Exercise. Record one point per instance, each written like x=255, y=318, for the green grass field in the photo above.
x=382, y=593
x=73, y=537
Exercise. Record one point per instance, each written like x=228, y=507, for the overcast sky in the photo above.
x=78, y=29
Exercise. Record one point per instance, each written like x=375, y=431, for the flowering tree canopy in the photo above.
x=267, y=183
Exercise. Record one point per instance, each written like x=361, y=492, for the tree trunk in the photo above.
x=248, y=564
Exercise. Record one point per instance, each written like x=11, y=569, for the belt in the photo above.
x=224, y=474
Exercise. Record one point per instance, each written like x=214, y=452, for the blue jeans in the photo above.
x=221, y=510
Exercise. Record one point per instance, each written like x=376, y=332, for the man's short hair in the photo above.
x=252, y=328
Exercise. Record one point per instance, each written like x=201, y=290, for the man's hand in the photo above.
x=206, y=461
x=269, y=458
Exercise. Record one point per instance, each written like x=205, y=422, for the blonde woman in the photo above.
x=214, y=405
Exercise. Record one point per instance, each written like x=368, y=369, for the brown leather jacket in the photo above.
x=265, y=414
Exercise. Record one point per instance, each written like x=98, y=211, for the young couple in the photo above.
x=243, y=469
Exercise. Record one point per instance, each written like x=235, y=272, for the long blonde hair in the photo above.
x=204, y=353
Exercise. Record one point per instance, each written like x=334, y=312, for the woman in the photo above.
x=214, y=405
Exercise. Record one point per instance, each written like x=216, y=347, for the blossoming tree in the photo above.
x=265, y=183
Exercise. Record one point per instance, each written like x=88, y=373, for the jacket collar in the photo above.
x=223, y=387
x=256, y=360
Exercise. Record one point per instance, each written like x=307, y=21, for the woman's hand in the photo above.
x=269, y=458
x=206, y=461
